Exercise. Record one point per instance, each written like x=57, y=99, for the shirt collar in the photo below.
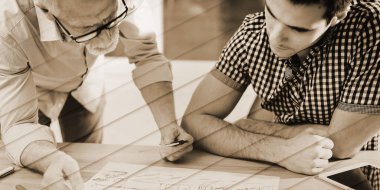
x=48, y=28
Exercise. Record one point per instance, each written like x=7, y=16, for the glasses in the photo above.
x=92, y=34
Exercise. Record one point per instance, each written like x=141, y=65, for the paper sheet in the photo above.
x=121, y=176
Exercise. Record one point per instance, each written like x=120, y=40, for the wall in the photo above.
x=199, y=29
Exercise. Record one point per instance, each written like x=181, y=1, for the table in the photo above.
x=92, y=157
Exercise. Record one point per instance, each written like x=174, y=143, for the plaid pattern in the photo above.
x=342, y=70
x=373, y=176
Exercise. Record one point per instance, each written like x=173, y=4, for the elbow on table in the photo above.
x=189, y=125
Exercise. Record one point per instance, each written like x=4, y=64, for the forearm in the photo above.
x=38, y=155
x=18, y=137
x=160, y=99
x=359, y=128
x=225, y=139
x=344, y=148
x=278, y=129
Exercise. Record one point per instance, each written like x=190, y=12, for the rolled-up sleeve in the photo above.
x=362, y=87
x=139, y=44
x=18, y=102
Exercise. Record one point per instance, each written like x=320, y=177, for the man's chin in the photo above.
x=101, y=50
x=283, y=56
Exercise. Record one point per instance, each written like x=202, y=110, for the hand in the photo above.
x=62, y=173
x=170, y=134
x=307, y=154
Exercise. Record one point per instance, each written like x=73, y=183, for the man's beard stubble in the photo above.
x=104, y=43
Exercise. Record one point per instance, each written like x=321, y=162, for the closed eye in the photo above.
x=300, y=30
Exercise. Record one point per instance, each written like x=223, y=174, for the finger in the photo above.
x=186, y=137
x=170, y=134
x=320, y=163
x=57, y=185
x=174, y=155
x=170, y=137
x=316, y=170
x=179, y=154
x=53, y=179
x=76, y=181
x=166, y=151
x=325, y=153
x=183, y=135
x=72, y=171
x=173, y=158
x=183, y=151
x=170, y=158
x=326, y=143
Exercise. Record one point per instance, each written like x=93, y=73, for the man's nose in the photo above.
x=279, y=33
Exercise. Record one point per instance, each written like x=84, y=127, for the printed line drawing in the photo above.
x=122, y=176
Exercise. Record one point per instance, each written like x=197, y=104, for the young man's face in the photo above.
x=82, y=16
x=292, y=28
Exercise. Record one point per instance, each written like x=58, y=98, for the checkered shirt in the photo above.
x=341, y=71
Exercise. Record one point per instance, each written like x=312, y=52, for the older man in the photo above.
x=47, y=48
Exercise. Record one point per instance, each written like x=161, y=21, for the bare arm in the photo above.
x=260, y=121
x=358, y=127
x=210, y=104
x=213, y=101
x=357, y=116
x=28, y=143
x=160, y=99
x=153, y=77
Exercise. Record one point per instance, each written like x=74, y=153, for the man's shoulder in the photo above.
x=254, y=22
x=369, y=9
x=11, y=13
x=363, y=18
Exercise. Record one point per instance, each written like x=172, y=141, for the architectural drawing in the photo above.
x=121, y=176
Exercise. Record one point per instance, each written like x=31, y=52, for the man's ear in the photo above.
x=339, y=16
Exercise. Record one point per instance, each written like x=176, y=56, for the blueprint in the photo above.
x=122, y=176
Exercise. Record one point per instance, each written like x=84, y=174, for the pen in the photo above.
x=6, y=171
x=176, y=143
x=20, y=187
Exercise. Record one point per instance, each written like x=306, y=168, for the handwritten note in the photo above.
x=121, y=176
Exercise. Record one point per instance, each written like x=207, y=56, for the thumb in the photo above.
x=170, y=135
x=185, y=136
x=53, y=177
x=72, y=171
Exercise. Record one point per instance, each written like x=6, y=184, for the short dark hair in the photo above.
x=332, y=6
